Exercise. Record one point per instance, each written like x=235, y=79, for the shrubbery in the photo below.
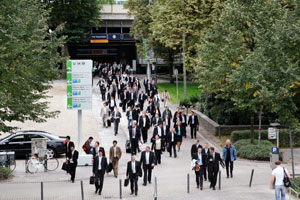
x=5, y=173
x=284, y=137
x=250, y=151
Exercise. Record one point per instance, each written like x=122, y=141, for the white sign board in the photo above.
x=272, y=133
x=79, y=84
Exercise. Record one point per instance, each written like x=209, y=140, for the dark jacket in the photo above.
x=155, y=132
x=138, y=170
x=194, y=149
x=74, y=157
x=142, y=98
x=96, y=165
x=156, y=121
x=118, y=116
x=170, y=137
x=151, y=158
x=141, y=122
x=137, y=134
x=150, y=109
x=196, y=122
x=100, y=149
x=206, y=155
x=195, y=156
x=214, y=164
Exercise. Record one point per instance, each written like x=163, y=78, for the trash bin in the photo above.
x=274, y=156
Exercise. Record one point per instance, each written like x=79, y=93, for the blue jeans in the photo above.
x=280, y=191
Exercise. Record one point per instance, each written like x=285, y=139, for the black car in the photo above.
x=20, y=142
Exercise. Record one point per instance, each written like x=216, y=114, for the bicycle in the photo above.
x=7, y=159
x=49, y=163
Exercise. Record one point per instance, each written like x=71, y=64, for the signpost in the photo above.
x=176, y=74
x=79, y=89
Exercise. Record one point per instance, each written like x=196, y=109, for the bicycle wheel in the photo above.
x=52, y=164
x=12, y=165
x=31, y=166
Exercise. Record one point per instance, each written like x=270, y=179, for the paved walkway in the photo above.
x=171, y=174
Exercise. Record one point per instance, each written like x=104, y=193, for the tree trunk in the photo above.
x=170, y=65
x=65, y=53
x=252, y=129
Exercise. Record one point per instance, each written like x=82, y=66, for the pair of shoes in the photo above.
x=136, y=194
x=99, y=193
x=210, y=186
x=214, y=188
x=231, y=176
x=149, y=182
x=201, y=188
x=175, y=156
x=227, y=176
x=73, y=181
x=197, y=186
x=170, y=155
x=131, y=193
x=144, y=184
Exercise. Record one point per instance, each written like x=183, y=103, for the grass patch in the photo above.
x=192, y=89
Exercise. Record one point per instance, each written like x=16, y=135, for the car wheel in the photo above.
x=50, y=153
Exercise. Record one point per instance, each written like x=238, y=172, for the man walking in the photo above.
x=116, y=115
x=229, y=156
x=172, y=140
x=104, y=114
x=206, y=154
x=193, y=122
x=115, y=154
x=133, y=171
x=195, y=147
x=213, y=167
x=142, y=99
x=199, y=160
x=72, y=158
x=277, y=177
x=99, y=168
x=134, y=136
x=144, y=124
x=148, y=162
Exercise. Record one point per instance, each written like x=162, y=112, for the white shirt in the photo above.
x=133, y=167
x=172, y=140
x=133, y=133
x=279, y=174
x=200, y=158
x=131, y=96
x=100, y=160
x=144, y=120
x=159, y=131
x=193, y=119
x=115, y=151
x=147, y=158
x=130, y=114
x=112, y=103
x=183, y=119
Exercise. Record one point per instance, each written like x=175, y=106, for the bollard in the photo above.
x=252, y=172
x=42, y=191
x=120, y=188
x=45, y=164
x=82, y=194
x=188, y=183
x=155, y=188
x=220, y=180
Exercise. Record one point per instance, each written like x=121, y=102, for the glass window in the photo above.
x=18, y=138
x=30, y=136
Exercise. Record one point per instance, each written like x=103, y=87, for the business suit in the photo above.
x=116, y=117
x=96, y=151
x=99, y=171
x=206, y=154
x=142, y=99
x=200, y=158
x=134, y=136
x=147, y=167
x=150, y=109
x=144, y=126
x=172, y=140
x=214, y=160
x=115, y=154
x=183, y=123
x=156, y=121
x=133, y=175
x=123, y=97
x=131, y=98
x=73, y=157
x=194, y=149
x=193, y=124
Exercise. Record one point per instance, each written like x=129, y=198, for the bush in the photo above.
x=284, y=137
x=250, y=151
x=5, y=173
x=296, y=183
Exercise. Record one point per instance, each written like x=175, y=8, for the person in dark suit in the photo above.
x=133, y=171
x=144, y=125
x=136, y=113
x=214, y=160
x=176, y=119
x=193, y=122
x=97, y=148
x=183, y=123
x=148, y=162
x=150, y=109
x=199, y=159
x=123, y=97
x=172, y=140
x=67, y=145
x=156, y=120
x=72, y=158
x=166, y=131
x=99, y=169
x=206, y=154
x=142, y=98
x=134, y=136
x=116, y=115
x=195, y=147
x=132, y=98
x=111, y=103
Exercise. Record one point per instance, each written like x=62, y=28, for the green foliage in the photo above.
x=251, y=57
x=185, y=103
x=284, y=137
x=250, y=151
x=5, y=173
x=296, y=183
x=77, y=16
x=29, y=61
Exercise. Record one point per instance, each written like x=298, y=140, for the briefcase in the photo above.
x=126, y=182
x=66, y=166
x=109, y=168
x=140, y=173
x=127, y=146
x=120, y=104
x=92, y=180
x=108, y=123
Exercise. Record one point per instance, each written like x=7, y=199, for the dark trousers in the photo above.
x=131, y=103
x=147, y=173
x=141, y=106
x=205, y=172
x=116, y=126
x=134, y=146
x=158, y=156
x=99, y=179
x=172, y=145
x=227, y=162
x=111, y=109
x=134, y=184
x=184, y=130
x=145, y=134
x=124, y=105
x=73, y=171
x=193, y=131
x=199, y=177
x=213, y=175
x=103, y=96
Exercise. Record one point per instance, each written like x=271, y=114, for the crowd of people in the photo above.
x=160, y=131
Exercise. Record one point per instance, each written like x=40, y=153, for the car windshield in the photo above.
x=5, y=137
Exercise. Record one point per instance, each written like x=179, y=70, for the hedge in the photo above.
x=251, y=151
x=284, y=137
x=5, y=173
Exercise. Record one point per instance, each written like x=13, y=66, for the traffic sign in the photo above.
x=79, y=84
x=272, y=133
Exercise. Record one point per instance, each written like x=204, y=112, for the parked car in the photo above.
x=20, y=143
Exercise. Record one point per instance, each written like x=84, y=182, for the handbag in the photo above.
x=286, y=180
x=109, y=167
x=126, y=182
x=66, y=166
x=92, y=180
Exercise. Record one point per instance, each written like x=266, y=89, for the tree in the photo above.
x=29, y=61
x=251, y=57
